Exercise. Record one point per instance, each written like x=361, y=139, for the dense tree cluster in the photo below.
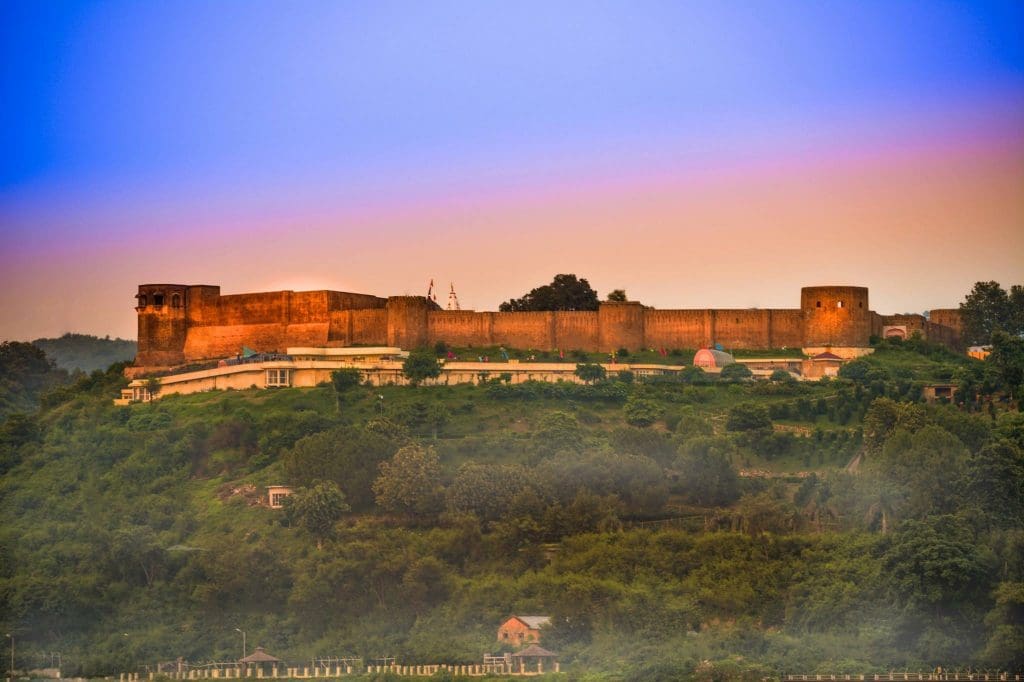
x=565, y=292
x=988, y=309
x=25, y=374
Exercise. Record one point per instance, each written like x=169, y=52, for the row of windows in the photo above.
x=279, y=377
x=158, y=300
x=841, y=304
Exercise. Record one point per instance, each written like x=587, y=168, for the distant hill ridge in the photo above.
x=86, y=352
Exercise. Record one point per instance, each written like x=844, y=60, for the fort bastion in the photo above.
x=184, y=323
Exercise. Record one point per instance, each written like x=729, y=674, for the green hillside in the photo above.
x=86, y=353
x=676, y=529
x=26, y=374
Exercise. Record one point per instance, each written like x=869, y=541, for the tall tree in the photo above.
x=421, y=364
x=565, y=292
x=706, y=477
x=590, y=372
x=995, y=483
x=1006, y=363
x=617, y=296
x=25, y=374
x=1005, y=645
x=410, y=482
x=317, y=509
x=988, y=309
x=486, y=490
x=934, y=563
x=344, y=382
x=346, y=455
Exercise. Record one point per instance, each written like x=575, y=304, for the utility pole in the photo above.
x=243, y=640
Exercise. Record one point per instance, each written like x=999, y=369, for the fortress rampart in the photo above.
x=180, y=323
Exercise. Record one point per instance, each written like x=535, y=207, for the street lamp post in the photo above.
x=243, y=640
x=11, y=637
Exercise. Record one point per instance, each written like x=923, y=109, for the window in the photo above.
x=277, y=499
x=819, y=305
x=278, y=377
x=142, y=300
x=175, y=300
x=158, y=300
x=839, y=304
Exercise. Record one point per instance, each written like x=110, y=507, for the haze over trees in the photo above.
x=86, y=353
x=25, y=374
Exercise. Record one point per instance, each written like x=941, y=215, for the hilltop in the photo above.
x=659, y=523
x=86, y=353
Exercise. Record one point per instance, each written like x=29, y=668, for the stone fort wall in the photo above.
x=180, y=323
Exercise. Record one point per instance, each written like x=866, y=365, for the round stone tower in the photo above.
x=835, y=316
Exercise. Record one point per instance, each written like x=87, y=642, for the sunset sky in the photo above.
x=696, y=154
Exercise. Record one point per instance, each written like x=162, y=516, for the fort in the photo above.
x=181, y=324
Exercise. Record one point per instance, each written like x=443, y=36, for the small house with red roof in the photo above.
x=821, y=365
x=519, y=630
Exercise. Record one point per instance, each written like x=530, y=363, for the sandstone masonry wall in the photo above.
x=950, y=319
x=461, y=327
x=836, y=316
x=183, y=323
x=787, y=328
x=577, y=329
x=523, y=330
x=621, y=325
x=677, y=328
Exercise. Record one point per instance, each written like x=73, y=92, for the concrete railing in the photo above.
x=471, y=670
x=909, y=677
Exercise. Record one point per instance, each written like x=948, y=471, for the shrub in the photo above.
x=590, y=372
x=735, y=372
x=694, y=375
x=748, y=417
x=421, y=364
x=641, y=412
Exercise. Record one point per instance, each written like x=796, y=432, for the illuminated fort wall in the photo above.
x=181, y=323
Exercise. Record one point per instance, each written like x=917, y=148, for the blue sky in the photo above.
x=122, y=118
x=184, y=93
